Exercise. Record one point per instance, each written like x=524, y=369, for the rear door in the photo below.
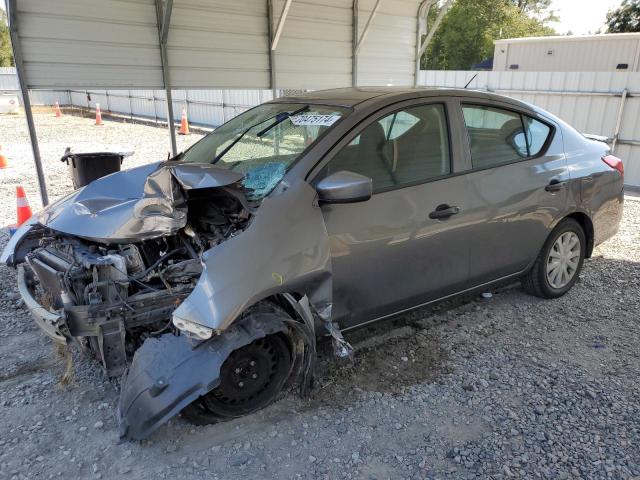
x=517, y=185
x=396, y=251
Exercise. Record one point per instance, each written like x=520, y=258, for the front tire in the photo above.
x=250, y=379
x=559, y=263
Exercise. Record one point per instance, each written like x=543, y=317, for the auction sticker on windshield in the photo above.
x=306, y=119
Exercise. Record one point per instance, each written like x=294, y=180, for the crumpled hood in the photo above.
x=136, y=204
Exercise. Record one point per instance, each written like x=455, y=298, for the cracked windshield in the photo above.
x=264, y=142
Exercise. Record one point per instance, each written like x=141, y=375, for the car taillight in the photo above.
x=614, y=162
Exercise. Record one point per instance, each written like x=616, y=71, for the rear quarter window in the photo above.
x=537, y=135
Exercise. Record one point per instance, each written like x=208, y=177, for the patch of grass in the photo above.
x=64, y=354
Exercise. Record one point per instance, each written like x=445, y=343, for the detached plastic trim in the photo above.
x=43, y=317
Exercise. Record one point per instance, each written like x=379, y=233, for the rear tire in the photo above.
x=559, y=263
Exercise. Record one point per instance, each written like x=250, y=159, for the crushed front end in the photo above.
x=112, y=297
x=155, y=270
x=111, y=294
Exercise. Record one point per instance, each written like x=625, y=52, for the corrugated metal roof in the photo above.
x=388, y=54
x=212, y=43
x=76, y=43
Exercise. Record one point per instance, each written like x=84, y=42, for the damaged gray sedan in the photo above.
x=206, y=279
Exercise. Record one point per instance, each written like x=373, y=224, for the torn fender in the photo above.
x=170, y=372
x=15, y=251
x=284, y=249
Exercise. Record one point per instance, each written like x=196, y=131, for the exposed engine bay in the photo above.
x=114, y=296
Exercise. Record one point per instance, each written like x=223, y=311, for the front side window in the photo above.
x=264, y=142
x=402, y=148
x=498, y=136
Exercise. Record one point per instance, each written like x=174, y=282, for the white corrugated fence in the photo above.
x=209, y=108
x=601, y=103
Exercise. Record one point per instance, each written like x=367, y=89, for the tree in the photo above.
x=6, y=55
x=540, y=9
x=625, y=18
x=469, y=28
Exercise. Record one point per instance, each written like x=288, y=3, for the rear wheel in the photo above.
x=250, y=379
x=557, y=267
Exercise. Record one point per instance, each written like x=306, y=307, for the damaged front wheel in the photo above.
x=250, y=379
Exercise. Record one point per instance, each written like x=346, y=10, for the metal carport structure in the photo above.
x=176, y=44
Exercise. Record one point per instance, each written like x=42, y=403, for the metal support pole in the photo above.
x=272, y=53
x=22, y=80
x=421, y=28
x=616, y=133
x=636, y=61
x=163, y=17
x=354, y=45
x=367, y=26
x=280, y=27
x=435, y=26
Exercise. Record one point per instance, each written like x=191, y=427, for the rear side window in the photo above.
x=406, y=147
x=498, y=136
x=537, y=134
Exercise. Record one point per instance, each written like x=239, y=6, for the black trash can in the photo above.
x=87, y=167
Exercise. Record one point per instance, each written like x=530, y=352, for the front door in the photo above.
x=407, y=244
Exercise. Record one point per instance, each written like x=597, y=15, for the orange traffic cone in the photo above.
x=184, y=123
x=57, y=110
x=98, y=115
x=4, y=161
x=23, y=208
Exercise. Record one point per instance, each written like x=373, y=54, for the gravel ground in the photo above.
x=510, y=387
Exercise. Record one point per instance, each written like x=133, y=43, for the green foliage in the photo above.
x=540, y=9
x=467, y=31
x=6, y=55
x=625, y=18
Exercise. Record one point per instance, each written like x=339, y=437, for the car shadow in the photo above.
x=393, y=355
x=389, y=357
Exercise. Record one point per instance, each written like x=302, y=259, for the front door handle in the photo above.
x=443, y=211
x=555, y=185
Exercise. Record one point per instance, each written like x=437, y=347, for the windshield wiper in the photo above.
x=237, y=139
x=232, y=144
x=281, y=117
x=278, y=120
x=175, y=158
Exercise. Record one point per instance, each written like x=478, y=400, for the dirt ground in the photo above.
x=513, y=387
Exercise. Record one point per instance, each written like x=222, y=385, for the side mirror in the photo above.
x=344, y=187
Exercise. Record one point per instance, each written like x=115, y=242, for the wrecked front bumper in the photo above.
x=170, y=372
x=103, y=326
x=48, y=322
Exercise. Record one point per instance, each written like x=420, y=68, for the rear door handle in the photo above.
x=555, y=185
x=443, y=211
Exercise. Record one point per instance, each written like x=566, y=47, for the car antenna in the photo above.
x=470, y=80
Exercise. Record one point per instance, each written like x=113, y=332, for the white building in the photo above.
x=617, y=52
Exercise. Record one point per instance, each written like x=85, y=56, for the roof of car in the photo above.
x=351, y=97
